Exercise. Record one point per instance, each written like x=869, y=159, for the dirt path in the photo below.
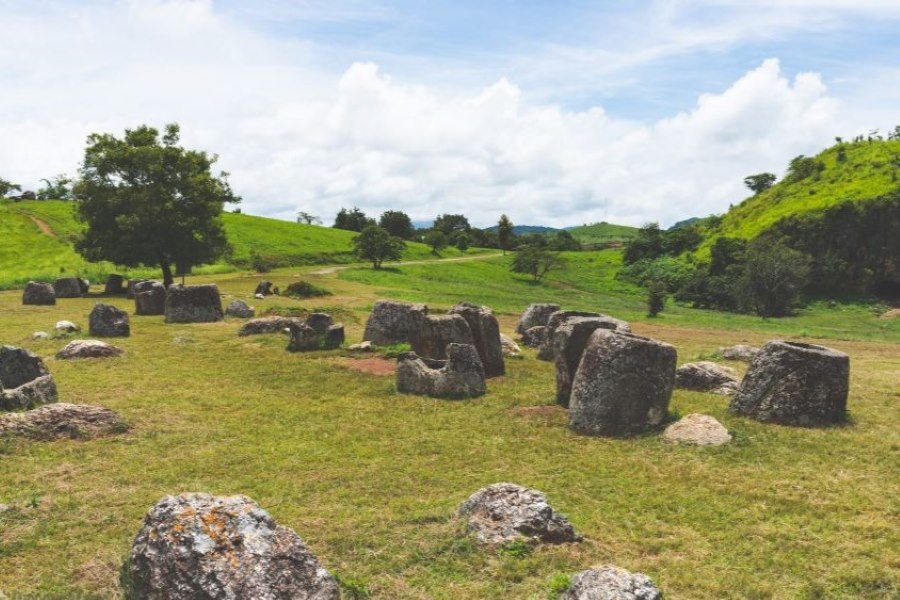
x=43, y=226
x=332, y=270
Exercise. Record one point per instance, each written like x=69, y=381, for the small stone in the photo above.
x=240, y=310
x=66, y=327
x=88, y=349
x=40, y=335
x=535, y=336
x=366, y=346
x=106, y=320
x=259, y=296
x=62, y=420
x=114, y=285
x=611, y=583
x=701, y=430
x=506, y=512
x=509, y=347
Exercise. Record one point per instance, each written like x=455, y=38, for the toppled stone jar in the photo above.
x=317, y=332
x=461, y=375
x=25, y=381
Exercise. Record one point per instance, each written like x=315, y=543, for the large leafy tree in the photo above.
x=352, y=220
x=536, y=262
x=376, y=245
x=451, y=224
x=397, y=223
x=760, y=182
x=773, y=277
x=148, y=201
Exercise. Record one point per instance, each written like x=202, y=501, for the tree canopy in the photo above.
x=450, y=224
x=352, y=220
x=376, y=245
x=148, y=201
x=536, y=262
x=397, y=223
x=58, y=188
x=760, y=182
x=505, y=233
x=7, y=186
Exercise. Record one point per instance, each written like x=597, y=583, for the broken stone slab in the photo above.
x=697, y=429
x=793, y=383
x=62, y=420
x=25, y=381
x=611, y=583
x=392, y=322
x=623, y=385
x=485, y=331
x=38, y=294
x=706, y=376
x=107, y=320
x=88, y=349
x=507, y=512
x=197, y=546
x=193, y=304
x=432, y=334
x=240, y=310
x=536, y=315
x=149, y=298
x=460, y=376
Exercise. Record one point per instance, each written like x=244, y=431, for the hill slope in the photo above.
x=36, y=243
x=602, y=233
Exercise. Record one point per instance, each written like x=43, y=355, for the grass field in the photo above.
x=370, y=478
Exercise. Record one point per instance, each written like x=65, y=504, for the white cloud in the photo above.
x=295, y=136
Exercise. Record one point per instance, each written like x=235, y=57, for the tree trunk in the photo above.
x=167, y=272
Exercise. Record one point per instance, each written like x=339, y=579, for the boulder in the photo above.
x=115, y=284
x=506, y=512
x=268, y=325
x=697, y=429
x=240, y=310
x=38, y=294
x=198, y=546
x=62, y=420
x=739, y=352
x=569, y=341
x=68, y=287
x=461, y=375
x=66, y=327
x=611, y=583
x=131, y=283
x=265, y=288
x=40, y=336
x=88, y=349
x=795, y=384
x=432, y=334
x=706, y=376
x=317, y=332
x=535, y=337
x=623, y=385
x=25, y=381
x=393, y=322
x=193, y=304
x=509, y=347
x=485, y=335
x=108, y=321
x=149, y=298
x=547, y=350
x=536, y=315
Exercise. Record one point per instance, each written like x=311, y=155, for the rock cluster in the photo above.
x=193, y=304
x=536, y=315
x=198, y=546
x=106, y=320
x=697, y=429
x=795, y=384
x=268, y=325
x=25, y=381
x=485, y=331
x=623, y=385
x=38, y=294
x=461, y=375
x=506, y=512
x=68, y=287
x=240, y=310
x=611, y=583
x=317, y=332
x=62, y=420
x=88, y=349
x=149, y=298
x=705, y=376
x=393, y=322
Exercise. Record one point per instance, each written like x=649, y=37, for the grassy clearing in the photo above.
x=369, y=478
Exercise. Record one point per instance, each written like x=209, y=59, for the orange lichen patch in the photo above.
x=373, y=366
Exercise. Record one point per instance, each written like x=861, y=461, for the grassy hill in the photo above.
x=602, y=233
x=850, y=171
x=36, y=243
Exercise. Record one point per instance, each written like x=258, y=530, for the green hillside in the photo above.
x=602, y=233
x=27, y=252
x=868, y=169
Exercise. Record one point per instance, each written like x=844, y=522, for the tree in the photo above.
x=656, y=297
x=60, y=188
x=461, y=241
x=146, y=200
x=773, y=277
x=450, y=224
x=802, y=167
x=437, y=240
x=397, y=223
x=376, y=245
x=308, y=218
x=760, y=182
x=505, y=233
x=563, y=240
x=536, y=262
x=352, y=220
x=8, y=186
x=648, y=243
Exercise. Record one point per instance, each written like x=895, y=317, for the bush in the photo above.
x=305, y=289
x=262, y=264
x=656, y=298
x=671, y=271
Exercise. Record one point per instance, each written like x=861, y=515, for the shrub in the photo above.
x=656, y=298
x=305, y=289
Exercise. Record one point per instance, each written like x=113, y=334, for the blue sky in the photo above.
x=556, y=113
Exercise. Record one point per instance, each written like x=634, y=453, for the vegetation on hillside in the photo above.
x=602, y=233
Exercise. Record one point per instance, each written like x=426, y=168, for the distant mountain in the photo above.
x=526, y=229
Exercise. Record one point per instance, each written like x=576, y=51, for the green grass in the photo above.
x=370, y=478
x=602, y=233
x=28, y=254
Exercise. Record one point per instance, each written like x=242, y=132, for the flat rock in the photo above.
x=106, y=320
x=506, y=512
x=536, y=315
x=461, y=375
x=25, y=381
x=62, y=420
x=268, y=325
x=38, y=294
x=88, y=349
x=240, y=310
x=706, y=376
x=697, y=429
x=611, y=583
x=197, y=546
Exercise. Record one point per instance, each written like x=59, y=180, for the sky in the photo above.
x=555, y=113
